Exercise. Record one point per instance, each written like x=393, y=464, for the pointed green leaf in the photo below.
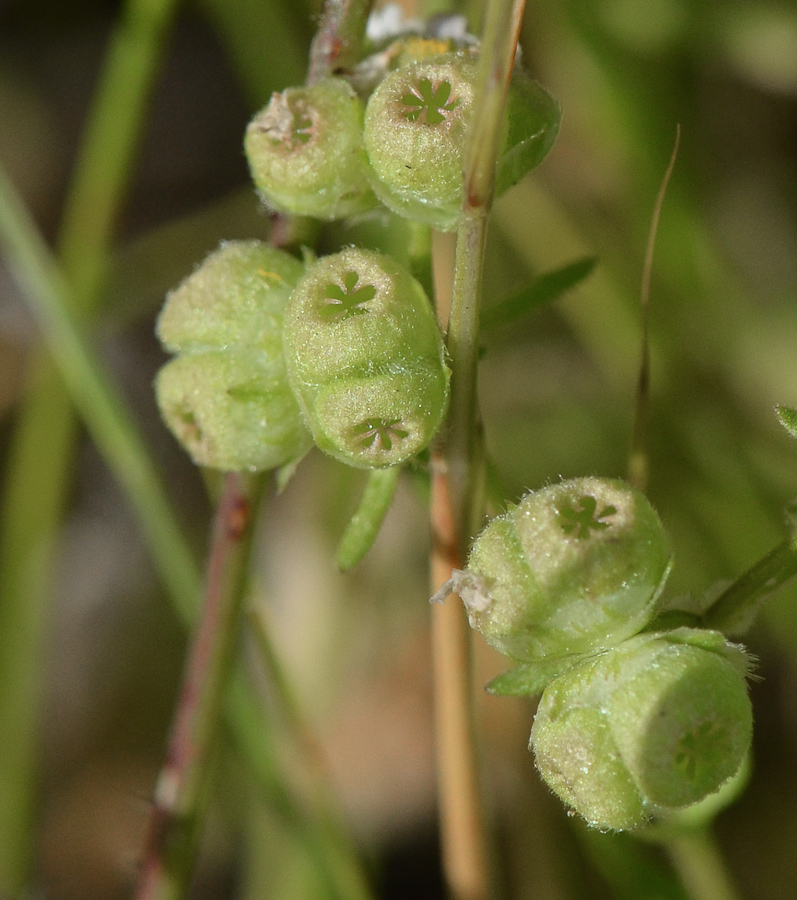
x=364, y=525
x=533, y=123
x=544, y=289
x=531, y=678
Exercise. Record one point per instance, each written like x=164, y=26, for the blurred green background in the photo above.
x=557, y=395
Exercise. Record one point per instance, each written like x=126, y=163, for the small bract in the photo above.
x=574, y=567
x=305, y=151
x=226, y=396
x=365, y=359
x=656, y=724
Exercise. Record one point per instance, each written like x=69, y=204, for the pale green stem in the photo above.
x=118, y=440
x=178, y=812
x=495, y=71
x=337, y=44
x=700, y=866
x=638, y=451
x=733, y=611
x=364, y=525
x=333, y=851
x=457, y=472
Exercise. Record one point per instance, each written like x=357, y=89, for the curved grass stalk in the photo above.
x=42, y=449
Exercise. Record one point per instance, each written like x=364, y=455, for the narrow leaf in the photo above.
x=531, y=678
x=364, y=525
x=545, y=289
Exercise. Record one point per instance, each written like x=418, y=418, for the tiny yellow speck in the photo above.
x=265, y=274
x=422, y=48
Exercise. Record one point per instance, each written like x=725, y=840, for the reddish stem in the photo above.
x=182, y=783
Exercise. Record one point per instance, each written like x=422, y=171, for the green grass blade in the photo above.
x=40, y=460
x=545, y=289
x=98, y=403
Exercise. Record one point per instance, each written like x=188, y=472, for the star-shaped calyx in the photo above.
x=347, y=299
x=379, y=432
x=429, y=102
x=583, y=517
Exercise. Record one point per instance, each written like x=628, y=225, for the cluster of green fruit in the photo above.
x=345, y=352
x=273, y=355
x=633, y=722
x=325, y=151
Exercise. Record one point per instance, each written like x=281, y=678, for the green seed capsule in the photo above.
x=416, y=131
x=225, y=396
x=574, y=567
x=365, y=359
x=236, y=297
x=416, y=125
x=656, y=724
x=306, y=154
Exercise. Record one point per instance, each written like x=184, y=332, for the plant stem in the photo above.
x=120, y=445
x=457, y=473
x=178, y=811
x=332, y=847
x=495, y=71
x=638, y=462
x=462, y=827
x=733, y=611
x=337, y=43
x=696, y=858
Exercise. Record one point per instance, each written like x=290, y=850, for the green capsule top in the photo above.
x=416, y=124
x=306, y=154
x=225, y=396
x=365, y=358
x=236, y=297
x=416, y=132
x=655, y=724
x=574, y=567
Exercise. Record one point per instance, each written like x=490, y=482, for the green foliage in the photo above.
x=545, y=289
x=364, y=524
x=533, y=118
x=788, y=419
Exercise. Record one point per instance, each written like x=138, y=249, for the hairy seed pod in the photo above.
x=653, y=725
x=226, y=396
x=416, y=128
x=416, y=124
x=237, y=296
x=574, y=567
x=306, y=154
x=365, y=359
